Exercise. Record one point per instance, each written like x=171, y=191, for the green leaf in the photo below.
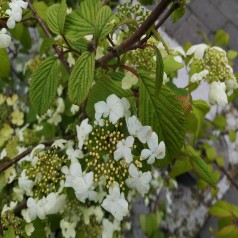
x=81, y=78
x=220, y=122
x=61, y=16
x=159, y=71
x=46, y=45
x=171, y=65
x=82, y=22
x=104, y=17
x=164, y=114
x=177, y=14
x=43, y=85
x=101, y=90
x=203, y=170
x=52, y=18
x=232, y=54
x=180, y=167
x=221, y=209
x=9, y=233
x=230, y=231
x=232, y=135
x=221, y=38
x=5, y=64
x=41, y=8
x=149, y=223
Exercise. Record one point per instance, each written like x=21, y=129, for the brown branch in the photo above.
x=48, y=34
x=130, y=43
x=13, y=161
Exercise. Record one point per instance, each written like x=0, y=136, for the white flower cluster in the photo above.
x=14, y=15
x=213, y=66
x=86, y=183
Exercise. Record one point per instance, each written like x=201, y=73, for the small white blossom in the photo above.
x=10, y=207
x=115, y=203
x=197, y=77
x=165, y=78
x=197, y=50
x=68, y=228
x=108, y=228
x=129, y=80
x=155, y=150
x=54, y=203
x=10, y=174
x=33, y=158
x=112, y=107
x=217, y=93
x=82, y=132
x=5, y=39
x=140, y=181
x=15, y=15
x=135, y=128
x=25, y=183
x=124, y=149
x=3, y=154
x=29, y=228
x=60, y=143
x=74, y=154
x=126, y=106
x=83, y=187
x=35, y=209
x=230, y=86
x=74, y=109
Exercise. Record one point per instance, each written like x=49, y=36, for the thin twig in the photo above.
x=132, y=41
x=48, y=34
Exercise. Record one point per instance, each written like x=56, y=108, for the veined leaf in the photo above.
x=61, y=16
x=43, y=85
x=101, y=90
x=56, y=15
x=164, y=114
x=104, y=17
x=40, y=8
x=82, y=22
x=52, y=18
x=9, y=233
x=171, y=65
x=5, y=64
x=81, y=78
x=203, y=170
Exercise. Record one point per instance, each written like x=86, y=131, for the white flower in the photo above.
x=54, y=203
x=25, y=183
x=108, y=228
x=197, y=50
x=140, y=181
x=36, y=209
x=126, y=106
x=8, y=208
x=124, y=149
x=60, y=105
x=165, y=78
x=197, y=77
x=74, y=109
x=82, y=131
x=10, y=174
x=68, y=228
x=59, y=144
x=217, y=93
x=115, y=203
x=5, y=39
x=156, y=150
x=83, y=187
x=18, y=3
x=231, y=85
x=129, y=80
x=112, y=107
x=29, y=228
x=135, y=128
x=74, y=154
x=74, y=171
x=34, y=158
x=3, y=154
x=60, y=90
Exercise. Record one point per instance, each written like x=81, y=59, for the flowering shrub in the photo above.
x=91, y=117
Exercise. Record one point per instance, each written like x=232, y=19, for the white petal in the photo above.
x=133, y=171
x=145, y=153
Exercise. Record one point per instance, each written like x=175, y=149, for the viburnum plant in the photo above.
x=90, y=117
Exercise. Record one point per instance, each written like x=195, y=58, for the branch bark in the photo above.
x=48, y=34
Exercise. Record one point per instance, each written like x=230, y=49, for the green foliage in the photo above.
x=52, y=18
x=81, y=78
x=5, y=64
x=203, y=170
x=101, y=90
x=104, y=17
x=220, y=122
x=41, y=9
x=9, y=233
x=171, y=65
x=46, y=45
x=221, y=38
x=43, y=85
x=81, y=22
x=147, y=2
x=180, y=166
x=232, y=135
x=164, y=114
